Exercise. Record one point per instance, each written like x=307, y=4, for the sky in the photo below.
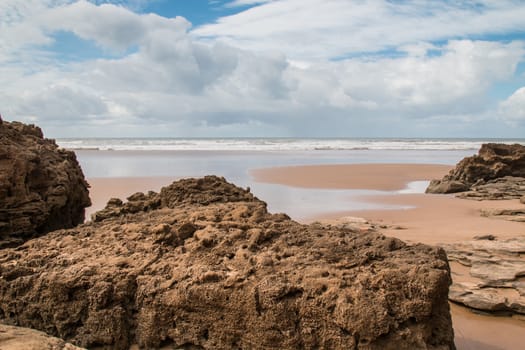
x=264, y=68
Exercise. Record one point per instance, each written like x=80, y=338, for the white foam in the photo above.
x=272, y=144
x=415, y=187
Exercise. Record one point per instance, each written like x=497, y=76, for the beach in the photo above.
x=420, y=218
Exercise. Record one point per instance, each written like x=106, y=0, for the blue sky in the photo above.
x=221, y=68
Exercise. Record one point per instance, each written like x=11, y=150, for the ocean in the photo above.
x=233, y=158
x=275, y=144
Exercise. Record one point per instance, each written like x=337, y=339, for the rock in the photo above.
x=508, y=187
x=488, y=237
x=496, y=270
x=493, y=161
x=522, y=199
x=506, y=214
x=439, y=186
x=42, y=187
x=17, y=338
x=204, y=265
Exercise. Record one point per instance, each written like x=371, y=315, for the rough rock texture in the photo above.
x=493, y=161
x=204, y=265
x=17, y=338
x=495, y=281
x=42, y=187
x=522, y=199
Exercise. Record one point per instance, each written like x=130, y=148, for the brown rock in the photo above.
x=42, y=187
x=522, y=199
x=493, y=161
x=204, y=265
x=17, y=338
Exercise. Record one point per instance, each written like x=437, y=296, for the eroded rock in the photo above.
x=203, y=264
x=42, y=187
x=493, y=161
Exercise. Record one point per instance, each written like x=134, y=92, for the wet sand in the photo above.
x=383, y=177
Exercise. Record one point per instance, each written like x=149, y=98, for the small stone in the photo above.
x=485, y=237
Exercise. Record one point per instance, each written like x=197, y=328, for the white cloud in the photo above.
x=237, y=3
x=513, y=108
x=110, y=26
x=168, y=82
x=321, y=29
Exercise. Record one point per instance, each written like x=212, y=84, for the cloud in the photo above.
x=321, y=29
x=512, y=109
x=111, y=26
x=238, y=3
x=168, y=82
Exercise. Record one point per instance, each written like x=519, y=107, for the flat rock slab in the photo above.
x=17, y=338
x=496, y=274
x=203, y=265
x=508, y=187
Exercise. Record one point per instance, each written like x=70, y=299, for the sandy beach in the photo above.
x=433, y=219
x=383, y=177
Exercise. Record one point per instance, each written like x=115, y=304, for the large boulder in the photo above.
x=493, y=161
x=203, y=265
x=42, y=187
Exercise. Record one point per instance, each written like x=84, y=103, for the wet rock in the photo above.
x=493, y=161
x=204, y=265
x=496, y=271
x=42, y=187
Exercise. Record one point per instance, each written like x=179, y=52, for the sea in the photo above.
x=233, y=158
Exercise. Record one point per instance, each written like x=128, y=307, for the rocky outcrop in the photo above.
x=495, y=278
x=203, y=265
x=16, y=338
x=42, y=187
x=493, y=161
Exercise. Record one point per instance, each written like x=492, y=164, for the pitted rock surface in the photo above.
x=203, y=265
x=42, y=187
